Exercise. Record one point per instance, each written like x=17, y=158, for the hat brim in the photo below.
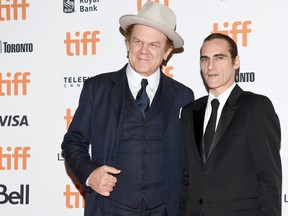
x=127, y=20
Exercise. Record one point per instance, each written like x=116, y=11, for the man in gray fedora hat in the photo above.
x=131, y=119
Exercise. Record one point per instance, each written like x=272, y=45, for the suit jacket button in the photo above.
x=200, y=201
x=112, y=158
x=206, y=172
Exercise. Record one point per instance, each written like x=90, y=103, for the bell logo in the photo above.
x=74, y=199
x=15, y=197
x=81, y=42
x=13, y=158
x=139, y=3
x=11, y=84
x=14, y=10
x=238, y=28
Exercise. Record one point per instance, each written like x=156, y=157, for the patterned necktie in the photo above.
x=142, y=98
x=210, y=128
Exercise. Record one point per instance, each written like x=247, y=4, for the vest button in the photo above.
x=200, y=201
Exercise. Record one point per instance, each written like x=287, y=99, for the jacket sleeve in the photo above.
x=76, y=141
x=185, y=165
x=265, y=140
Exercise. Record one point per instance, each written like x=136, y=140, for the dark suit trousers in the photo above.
x=112, y=208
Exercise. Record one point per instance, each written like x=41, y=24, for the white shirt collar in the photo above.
x=134, y=82
x=222, y=100
x=222, y=97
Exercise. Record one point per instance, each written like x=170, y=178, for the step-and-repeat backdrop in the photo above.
x=49, y=48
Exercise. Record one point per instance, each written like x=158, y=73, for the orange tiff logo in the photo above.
x=74, y=199
x=68, y=117
x=11, y=83
x=81, y=43
x=167, y=70
x=238, y=29
x=13, y=157
x=140, y=3
x=14, y=9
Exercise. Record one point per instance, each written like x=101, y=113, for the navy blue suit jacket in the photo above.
x=98, y=120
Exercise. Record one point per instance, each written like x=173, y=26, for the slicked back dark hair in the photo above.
x=233, y=46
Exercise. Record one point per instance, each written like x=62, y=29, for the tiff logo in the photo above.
x=139, y=3
x=74, y=199
x=11, y=84
x=68, y=117
x=79, y=45
x=13, y=158
x=167, y=70
x=14, y=9
x=238, y=28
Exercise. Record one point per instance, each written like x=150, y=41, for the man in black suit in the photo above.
x=135, y=165
x=238, y=172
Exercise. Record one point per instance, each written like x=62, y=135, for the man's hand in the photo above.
x=102, y=181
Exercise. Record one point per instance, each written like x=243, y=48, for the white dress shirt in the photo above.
x=134, y=82
x=222, y=100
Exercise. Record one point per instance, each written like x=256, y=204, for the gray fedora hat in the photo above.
x=157, y=16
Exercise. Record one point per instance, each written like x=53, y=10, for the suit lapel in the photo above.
x=167, y=102
x=117, y=95
x=198, y=130
x=226, y=116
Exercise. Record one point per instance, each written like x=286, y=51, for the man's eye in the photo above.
x=219, y=57
x=154, y=45
x=137, y=41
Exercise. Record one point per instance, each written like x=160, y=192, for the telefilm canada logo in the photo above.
x=74, y=81
x=82, y=6
x=6, y=47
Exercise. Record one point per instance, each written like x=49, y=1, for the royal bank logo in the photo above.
x=70, y=6
x=6, y=47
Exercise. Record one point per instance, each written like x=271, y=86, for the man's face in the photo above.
x=147, y=49
x=217, y=66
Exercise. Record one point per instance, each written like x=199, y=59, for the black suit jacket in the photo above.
x=98, y=120
x=242, y=173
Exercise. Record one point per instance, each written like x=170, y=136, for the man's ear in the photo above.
x=237, y=62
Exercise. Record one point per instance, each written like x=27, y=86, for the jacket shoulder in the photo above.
x=197, y=104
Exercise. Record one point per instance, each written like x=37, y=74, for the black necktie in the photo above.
x=142, y=98
x=210, y=128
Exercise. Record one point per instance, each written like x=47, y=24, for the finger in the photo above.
x=111, y=170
